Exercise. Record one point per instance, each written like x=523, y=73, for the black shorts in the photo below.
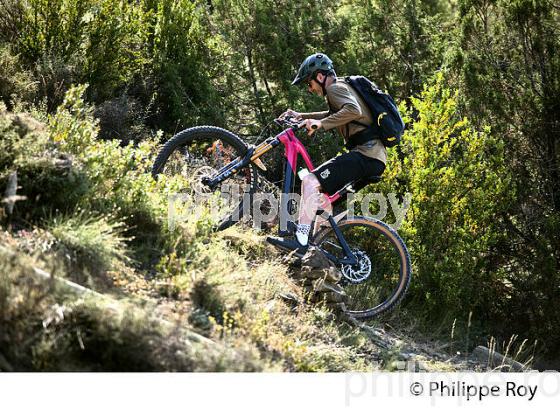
x=346, y=168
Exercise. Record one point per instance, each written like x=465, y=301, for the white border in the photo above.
x=268, y=391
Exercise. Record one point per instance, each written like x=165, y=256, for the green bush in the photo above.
x=46, y=179
x=17, y=85
x=49, y=186
x=120, y=182
x=94, y=243
x=17, y=131
x=119, y=176
x=179, y=62
x=460, y=184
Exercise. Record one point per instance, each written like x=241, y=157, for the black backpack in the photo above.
x=387, y=121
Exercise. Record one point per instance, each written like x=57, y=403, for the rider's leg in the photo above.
x=312, y=199
x=329, y=177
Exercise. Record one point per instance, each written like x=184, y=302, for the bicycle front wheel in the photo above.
x=200, y=152
x=381, y=278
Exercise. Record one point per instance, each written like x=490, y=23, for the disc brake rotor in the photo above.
x=200, y=173
x=359, y=273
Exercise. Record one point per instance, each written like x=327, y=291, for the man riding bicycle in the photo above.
x=349, y=114
x=358, y=246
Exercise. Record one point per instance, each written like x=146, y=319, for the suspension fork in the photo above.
x=252, y=155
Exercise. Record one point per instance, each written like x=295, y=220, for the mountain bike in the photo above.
x=373, y=259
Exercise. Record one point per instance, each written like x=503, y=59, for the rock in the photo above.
x=321, y=285
x=333, y=297
x=309, y=273
x=319, y=278
x=290, y=298
x=333, y=274
x=339, y=307
x=374, y=335
x=330, y=274
x=314, y=258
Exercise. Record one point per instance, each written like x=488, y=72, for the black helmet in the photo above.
x=312, y=64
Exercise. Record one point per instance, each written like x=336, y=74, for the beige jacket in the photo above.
x=348, y=106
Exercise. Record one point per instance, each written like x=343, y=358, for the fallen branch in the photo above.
x=115, y=307
x=375, y=336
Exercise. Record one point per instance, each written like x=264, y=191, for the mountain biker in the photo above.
x=347, y=113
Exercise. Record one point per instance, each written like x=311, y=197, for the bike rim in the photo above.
x=383, y=253
x=203, y=157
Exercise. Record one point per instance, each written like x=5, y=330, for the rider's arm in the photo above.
x=342, y=100
x=319, y=115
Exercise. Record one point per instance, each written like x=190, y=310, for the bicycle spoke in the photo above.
x=197, y=154
x=382, y=273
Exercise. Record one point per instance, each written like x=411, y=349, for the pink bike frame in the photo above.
x=293, y=147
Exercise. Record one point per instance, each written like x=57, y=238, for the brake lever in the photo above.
x=293, y=123
x=287, y=121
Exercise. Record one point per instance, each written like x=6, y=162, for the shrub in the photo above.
x=180, y=64
x=18, y=130
x=46, y=179
x=93, y=242
x=120, y=181
x=17, y=84
x=119, y=177
x=460, y=185
x=122, y=118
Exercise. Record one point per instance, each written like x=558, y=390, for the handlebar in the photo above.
x=289, y=121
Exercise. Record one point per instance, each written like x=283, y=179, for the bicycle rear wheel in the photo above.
x=199, y=152
x=383, y=274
